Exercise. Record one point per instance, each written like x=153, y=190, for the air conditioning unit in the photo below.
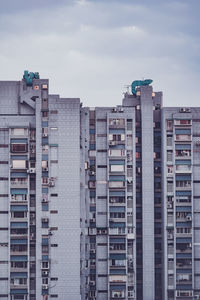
x=189, y=218
x=170, y=236
x=92, y=172
x=45, y=220
x=45, y=169
x=169, y=205
x=112, y=142
x=32, y=170
x=92, y=282
x=92, y=250
x=45, y=273
x=45, y=134
x=130, y=293
x=121, y=109
x=51, y=184
x=114, y=109
x=45, y=286
x=44, y=200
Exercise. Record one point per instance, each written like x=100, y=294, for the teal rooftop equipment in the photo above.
x=137, y=83
x=29, y=76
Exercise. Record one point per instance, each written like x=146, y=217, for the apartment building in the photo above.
x=121, y=199
x=181, y=205
x=39, y=192
x=97, y=203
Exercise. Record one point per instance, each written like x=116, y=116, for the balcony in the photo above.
x=183, y=169
x=113, y=220
x=117, y=184
x=14, y=219
x=18, y=252
x=183, y=138
x=117, y=153
x=20, y=235
x=18, y=184
x=183, y=154
x=117, y=278
x=18, y=269
x=114, y=143
x=18, y=286
x=117, y=231
x=170, y=265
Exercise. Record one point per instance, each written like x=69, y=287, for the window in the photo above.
x=45, y=206
x=169, y=140
x=182, y=122
x=170, y=186
x=15, y=148
x=116, y=168
x=45, y=223
x=116, y=137
x=183, y=137
x=18, y=264
x=18, y=281
x=169, y=125
x=129, y=124
x=45, y=114
x=169, y=169
x=19, y=164
x=19, y=131
x=115, y=153
x=44, y=103
x=45, y=265
x=129, y=140
x=44, y=86
x=169, y=155
x=19, y=214
x=117, y=122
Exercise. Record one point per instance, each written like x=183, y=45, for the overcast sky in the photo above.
x=92, y=49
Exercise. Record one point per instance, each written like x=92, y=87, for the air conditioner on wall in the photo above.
x=130, y=293
x=44, y=200
x=44, y=273
x=45, y=220
x=45, y=286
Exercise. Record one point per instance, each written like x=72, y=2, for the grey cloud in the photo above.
x=92, y=49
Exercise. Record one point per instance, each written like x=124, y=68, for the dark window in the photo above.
x=15, y=148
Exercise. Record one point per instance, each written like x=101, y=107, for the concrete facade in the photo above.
x=97, y=203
